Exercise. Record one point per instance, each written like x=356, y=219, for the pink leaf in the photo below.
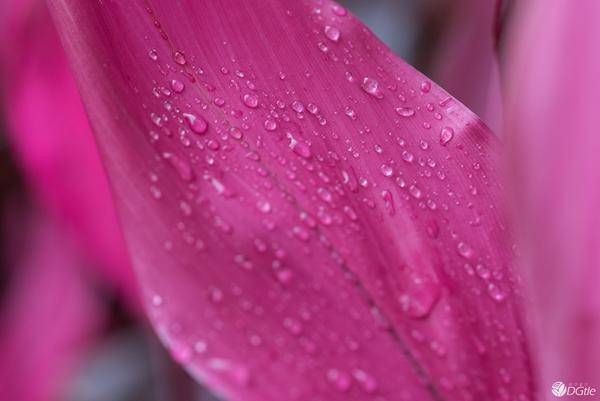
x=49, y=315
x=552, y=127
x=310, y=217
x=54, y=145
x=466, y=64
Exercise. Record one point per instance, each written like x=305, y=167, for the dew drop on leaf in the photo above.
x=177, y=86
x=405, y=111
x=332, y=33
x=250, y=100
x=446, y=135
x=179, y=58
x=371, y=86
x=196, y=123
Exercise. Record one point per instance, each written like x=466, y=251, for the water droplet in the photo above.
x=179, y=58
x=212, y=144
x=196, y=123
x=371, y=86
x=425, y=86
x=495, y=292
x=388, y=200
x=301, y=149
x=216, y=295
x=218, y=186
x=339, y=10
x=156, y=192
x=235, y=133
x=255, y=340
x=293, y=326
x=156, y=119
x=284, y=276
x=157, y=300
x=186, y=208
x=465, y=250
x=297, y=106
x=264, y=206
x=421, y=295
x=325, y=194
x=405, y=111
x=350, y=113
x=415, y=191
x=180, y=352
x=323, y=47
x=301, y=233
x=200, y=347
x=366, y=381
x=250, y=100
x=386, y=170
x=340, y=380
x=482, y=272
x=177, y=86
x=332, y=33
x=270, y=124
x=445, y=101
x=433, y=230
x=407, y=156
x=236, y=372
x=350, y=213
x=446, y=135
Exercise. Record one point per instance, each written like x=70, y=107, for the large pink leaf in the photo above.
x=310, y=217
x=552, y=128
x=50, y=134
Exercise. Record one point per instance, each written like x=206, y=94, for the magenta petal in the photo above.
x=553, y=131
x=310, y=217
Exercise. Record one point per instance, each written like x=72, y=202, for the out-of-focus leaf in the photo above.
x=49, y=316
x=49, y=132
x=466, y=64
x=552, y=126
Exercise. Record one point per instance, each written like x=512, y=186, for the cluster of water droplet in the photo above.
x=302, y=169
